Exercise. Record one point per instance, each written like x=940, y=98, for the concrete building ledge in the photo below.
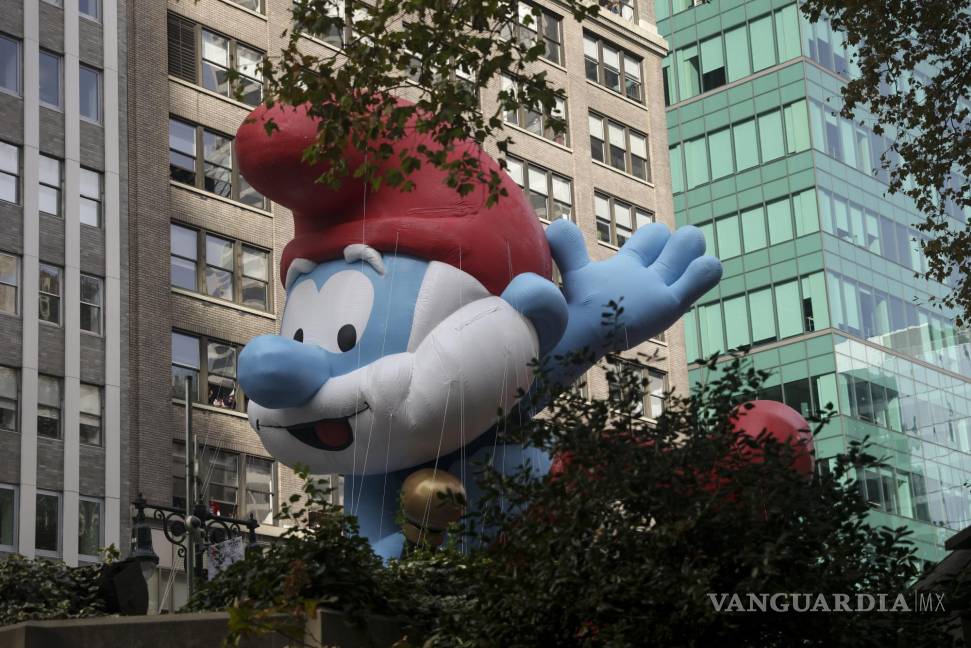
x=195, y=630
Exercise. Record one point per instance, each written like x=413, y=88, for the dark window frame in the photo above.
x=611, y=201
x=242, y=485
x=238, y=268
x=537, y=31
x=16, y=176
x=100, y=306
x=185, y=56
x=550, y=200
x=199, y=165
x=521, y=116
x=202, y=371
x=16, y=399
x=19, y=44
x=629, y=156
x=624, y=55
x=101, y=417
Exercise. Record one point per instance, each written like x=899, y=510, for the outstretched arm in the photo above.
x=655, y=277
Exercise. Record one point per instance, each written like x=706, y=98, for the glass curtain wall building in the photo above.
x=819, y=262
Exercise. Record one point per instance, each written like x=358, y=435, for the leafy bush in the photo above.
x=622, y=546
x=33, y=590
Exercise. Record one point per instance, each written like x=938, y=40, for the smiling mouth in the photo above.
x=331, y=435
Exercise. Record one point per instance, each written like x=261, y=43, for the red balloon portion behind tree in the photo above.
x=781, y=423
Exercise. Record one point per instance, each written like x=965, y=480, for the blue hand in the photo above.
x=655, y=278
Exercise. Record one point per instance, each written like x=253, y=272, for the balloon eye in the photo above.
x=346, y=337
x=298, y=335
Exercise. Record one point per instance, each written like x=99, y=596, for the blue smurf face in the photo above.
x=353, y=312
x=384, y=363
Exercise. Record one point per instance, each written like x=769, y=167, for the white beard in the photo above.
x=409, y=408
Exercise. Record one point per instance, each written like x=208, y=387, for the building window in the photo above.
x=90, y=93
x=232, y=270
x=652, y=381
x=8, y=399
x=185, y=364
x=550, y=194
x=622, y=147
x=47, y=532
x=10, y=65
x=259, y=489
x=90, y=9
x=56, y=3
x=49, y=300
x=533, y=24
x=8, y=517
x=51, y=175
x=49, y=407
x=333, y=34
x=90, y=421
x=254, y=284
x=252, y=5
x=617, y=220
x=209, y=59
x=612, y=67
x=91, y=192
x=92, y=303
x=655, y=394
x=50, y=80
x=9, y=283
x=626, y=9
x=9, y=172
x=90, y=530
x=206, y=361
x=734, y=54
x=221, y=362
x=220, y=480
x=219, y=267
x=214, y=170
x=533, y=121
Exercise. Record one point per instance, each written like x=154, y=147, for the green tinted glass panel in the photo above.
x=736, y=322
x=780, y=221
x=815, y=309
x=720, y=151
x=788, y=309
x=835, y=302
x=689, y=72
x=710, y=323
x=787, y=32
x=763, y=44
x=709, y=231
x=691, y=336
x=662, y=9
x=804, y=207
x=712, y=63
x=746, y=147
x=736, y=45
x=763, y=324
x=797, y=126
x=826, y=392
x=696, y=162
x=753, y=228
x=677, y=169
x=729, y=245
x=770, y=136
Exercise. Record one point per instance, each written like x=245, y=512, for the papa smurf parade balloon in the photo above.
x=411, y=317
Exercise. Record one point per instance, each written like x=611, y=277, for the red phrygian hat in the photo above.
x=493, y=244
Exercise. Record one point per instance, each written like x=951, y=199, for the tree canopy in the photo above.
x=623, y=545
x=914, y=61
x=441, y=54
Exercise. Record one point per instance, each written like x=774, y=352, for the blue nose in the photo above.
x=277, y=372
